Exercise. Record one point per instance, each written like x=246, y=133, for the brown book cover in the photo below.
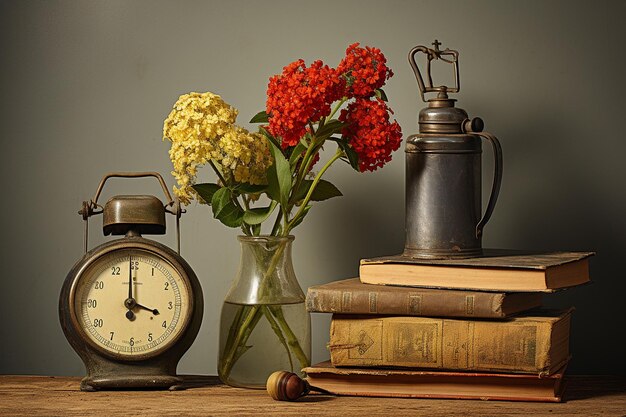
x=537, y=344
x=496, y=270
x=351, y=296
x=430, y=384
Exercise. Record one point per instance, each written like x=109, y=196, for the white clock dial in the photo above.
x=131, y=303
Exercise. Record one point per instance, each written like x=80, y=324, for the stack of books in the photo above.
x=463, y=328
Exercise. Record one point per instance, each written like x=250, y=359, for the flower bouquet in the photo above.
x=268, y=176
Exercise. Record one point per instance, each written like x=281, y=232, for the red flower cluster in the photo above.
x=370, y=133
x=365, y=70
x=302, y=95
x=299, y=96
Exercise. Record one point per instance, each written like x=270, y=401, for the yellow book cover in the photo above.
x=537, y=344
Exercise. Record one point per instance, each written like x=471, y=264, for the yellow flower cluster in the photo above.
x=202, y=128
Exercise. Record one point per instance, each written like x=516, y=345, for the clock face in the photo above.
x=131, y=303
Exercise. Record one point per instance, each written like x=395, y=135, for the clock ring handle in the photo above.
x=170, y=201
x=92, y=207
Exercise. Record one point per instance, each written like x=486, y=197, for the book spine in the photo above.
x=407, y=303
x=420, y=342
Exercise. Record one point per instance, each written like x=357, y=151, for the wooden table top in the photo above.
x=57, y=396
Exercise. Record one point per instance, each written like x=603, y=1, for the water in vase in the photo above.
x=257, y=340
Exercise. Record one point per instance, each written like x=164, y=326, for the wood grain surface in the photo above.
x=60, y=396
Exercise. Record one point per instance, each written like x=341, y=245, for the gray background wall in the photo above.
x=85, y=86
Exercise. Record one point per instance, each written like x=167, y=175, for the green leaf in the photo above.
x=231, y=216
x=323, y=191
x=206, y=191
x=269, y=136
x=246, y=188
x=353, y=157
x=299, y=194
x=225, y=210
x=259, y=215
x=260, y=117
x=301, y=217
x=278, y=176
x=220, y=198
x=381, y=94
x=330, y=128
x=297, y=153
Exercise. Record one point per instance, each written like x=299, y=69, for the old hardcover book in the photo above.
x=537, y=344
x=430, y=384
x=351, y=296
x=496, y=270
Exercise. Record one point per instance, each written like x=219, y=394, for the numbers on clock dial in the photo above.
x=160, y=307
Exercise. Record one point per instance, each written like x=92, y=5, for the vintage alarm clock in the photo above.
x=131, y=307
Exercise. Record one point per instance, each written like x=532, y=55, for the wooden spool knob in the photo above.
x=286, y=386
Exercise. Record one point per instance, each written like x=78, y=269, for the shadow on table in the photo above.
x=203, y=381
x=315, y=398
x=595, y=386
x=199, y=381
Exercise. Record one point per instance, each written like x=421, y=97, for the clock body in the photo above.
x=131, y=308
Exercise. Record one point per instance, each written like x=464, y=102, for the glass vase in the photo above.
x=264, y=325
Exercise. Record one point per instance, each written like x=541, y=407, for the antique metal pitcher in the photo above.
x=443, y=171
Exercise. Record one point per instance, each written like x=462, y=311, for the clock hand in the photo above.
x=130, y=277
x=129, y=303
x=152, y=310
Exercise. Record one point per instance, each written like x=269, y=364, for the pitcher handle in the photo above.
x=497, y=180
